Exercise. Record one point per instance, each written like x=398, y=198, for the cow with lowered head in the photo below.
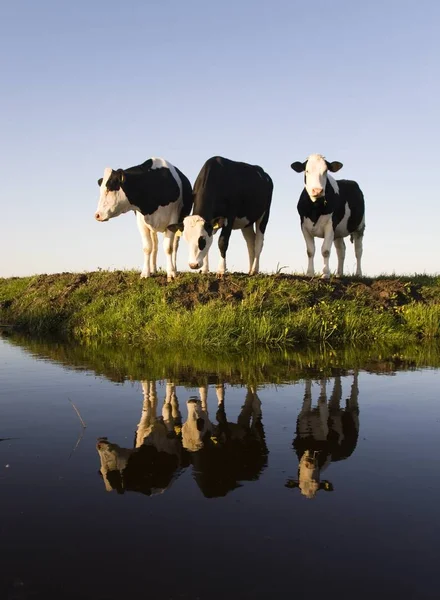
x=330, y=209
x=159, y=194
x=227, y=195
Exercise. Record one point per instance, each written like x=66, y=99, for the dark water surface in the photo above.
x=232, y=483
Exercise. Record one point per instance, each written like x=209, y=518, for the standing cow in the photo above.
x=330, y=209
x=159, y=193
x=228, y=195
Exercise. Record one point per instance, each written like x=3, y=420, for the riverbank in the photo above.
x=236, y=312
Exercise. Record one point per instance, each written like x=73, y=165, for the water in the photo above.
x=320, y=484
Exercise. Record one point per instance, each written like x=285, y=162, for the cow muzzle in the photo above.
x=194, y=266
x=99, y=217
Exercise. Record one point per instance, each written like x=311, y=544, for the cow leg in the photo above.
x=340, y=251
x=310, y=245
x=168, y=247
x=223, y=244
x=147, y=243
x=329, y=236
x=260, y=228
x=205, y=266
x=358, y=248
x=153, y=257
x=174, y=253
x=249, y=236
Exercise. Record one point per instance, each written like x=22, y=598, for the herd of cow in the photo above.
x=230, y=195
x=226, y=453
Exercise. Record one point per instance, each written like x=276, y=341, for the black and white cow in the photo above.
x=160, y=195
x=324, y=435
x=230, y=195
x=157, y=458
x=330, y=209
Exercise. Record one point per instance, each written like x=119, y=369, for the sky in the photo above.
x=92, y=84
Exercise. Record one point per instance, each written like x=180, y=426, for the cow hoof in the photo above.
x=145, y=275
x=325, y=276
x=171, y=276
x=220, y=275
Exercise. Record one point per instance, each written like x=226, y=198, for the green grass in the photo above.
x=239, y=312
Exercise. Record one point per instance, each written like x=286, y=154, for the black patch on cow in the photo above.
x=100, y=181
x=201, y=243
x=230, y=189
x=200, y=423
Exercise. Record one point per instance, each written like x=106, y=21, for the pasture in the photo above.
x=235, y=312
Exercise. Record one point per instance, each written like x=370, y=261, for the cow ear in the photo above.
x=218, y=222
x=121, y=175
x=175, y=227
x=334, y=166
x=291, y=483
x=100, y=181
x=299, y=167
x=326, y=485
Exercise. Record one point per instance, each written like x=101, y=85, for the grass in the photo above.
x=238, y=312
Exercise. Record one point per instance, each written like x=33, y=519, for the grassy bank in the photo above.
x=236, y=312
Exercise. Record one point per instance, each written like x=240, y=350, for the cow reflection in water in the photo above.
x=324, y=434
x=227, y=453
x=222, y=454
x=157, y=459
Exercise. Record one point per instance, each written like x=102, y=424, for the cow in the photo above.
x=156, y=459
x=160, y=195
x=330, y=209
x=225, y=454
x=227, y=195
x=324, y=434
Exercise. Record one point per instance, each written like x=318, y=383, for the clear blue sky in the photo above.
x=92, y=84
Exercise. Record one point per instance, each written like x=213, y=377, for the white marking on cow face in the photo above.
x=196, y=427
x=111, y=203
x=316, y=175
x=308, y=475
x=199, y=234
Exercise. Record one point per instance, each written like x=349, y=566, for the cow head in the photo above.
x=315, y=170
x=197, y=427
x=309, y=476
x=199, y=234
x=112, y=200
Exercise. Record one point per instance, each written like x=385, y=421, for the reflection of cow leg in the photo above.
x=170, y=410
x=352, y=404
x=251, y=409
x=220, y=393
x=203, y=392
x=335, y=409
x=323, y=409
x=149, y=408
x=307, y=400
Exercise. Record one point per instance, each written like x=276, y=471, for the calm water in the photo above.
x=215, y=486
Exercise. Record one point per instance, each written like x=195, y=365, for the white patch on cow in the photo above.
x=319, y=228
x=111, y=204
x=341, y=228
x=193, y=231
x=163, y=216
x=240, y=223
